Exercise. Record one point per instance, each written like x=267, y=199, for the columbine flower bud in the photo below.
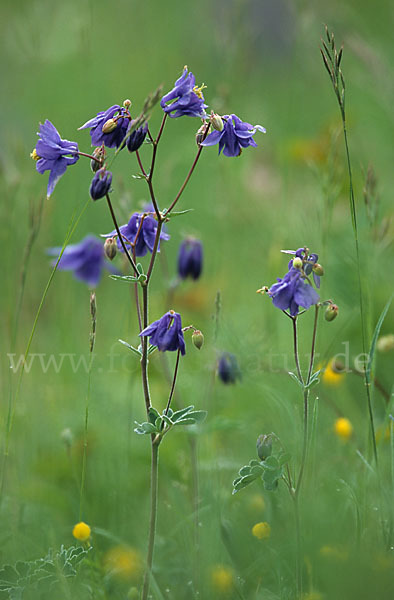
x=216, y=121
x=101, y=184
x=200, y=135
x=110, y=248
x=318, y=269
x=98, y=153
x=190, y=257
x=228, y=369
x=109, y=126
x=127, y=103
x=264, y=446
x=331, y=312
x=198, y=338
x=297, y=262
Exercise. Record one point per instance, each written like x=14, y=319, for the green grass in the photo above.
x=66, y=62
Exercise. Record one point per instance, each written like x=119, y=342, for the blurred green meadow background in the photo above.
x=259, y=59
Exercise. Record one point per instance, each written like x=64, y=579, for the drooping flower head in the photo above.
x=53, y=154
x=295, y=288
x=234, y=136
x=186, y=99
x=146, y=233
x=166, y=333
x=109, y=127
x=101, y=184
x=228, y=368
x=190, y=259
x=137, y=137
x=85, y=259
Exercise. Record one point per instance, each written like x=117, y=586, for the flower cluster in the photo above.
x=185, y=99
x=109, y=127
x=234, y=136
x=141, y=231
x=166, y=333
x=53, y=154
x=295, y=288
x=190, y=259
x=85, y=259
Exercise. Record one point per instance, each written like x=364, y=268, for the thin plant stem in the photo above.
x=153, y=517
x=295, y=345
x=93, y=312
x=144, y=357
x=190, y=173
x=173, y=382
x=120, y=237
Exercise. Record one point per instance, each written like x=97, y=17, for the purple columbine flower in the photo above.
x=166, y=333
x=115, y=122
x=136, y=139
x=294, y=289
x=186, y=99
x=85, y=259
x=101, y=184
x=228, y=368
x=190, y=259
x=52, y=154
x=235, y=135
x=146, y=236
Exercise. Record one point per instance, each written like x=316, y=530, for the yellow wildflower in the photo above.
x=222, y=579
x=81, y=531
x=261, y=531
x=333, y=374
x=124, y=562
x=343, y=428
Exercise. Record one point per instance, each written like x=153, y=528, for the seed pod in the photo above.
x=198, y=339
x=109, y=126
x=331, y=312
x=110, y=248
x=318, y=269
x=216, y=121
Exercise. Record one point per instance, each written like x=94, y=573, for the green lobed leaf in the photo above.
x=180, y=413
x=130, y=347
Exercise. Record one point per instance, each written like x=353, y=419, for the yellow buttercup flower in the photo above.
x=333, y=374
x=343, y=428
x=222, y=579
x=123, y=562
x=261, y=531
x=81, y=531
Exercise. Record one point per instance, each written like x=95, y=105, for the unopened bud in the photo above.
x=110, y=248
x=109, y=126
x=318, y=269
x=216, y=121
x=127, y=103
x=297, y=262
x=197, y=338
x=331, y=312
x=264, y=446
x=99, y=154
x=133, y=594
x=200, y=134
